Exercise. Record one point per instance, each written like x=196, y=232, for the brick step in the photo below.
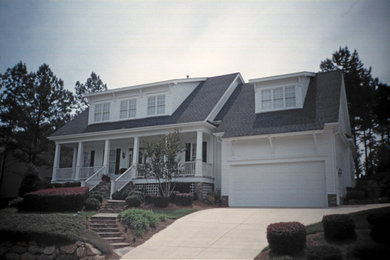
x=109, y=234
x=97, y=230
x=103, y=222
x=119, y=245
x=114, y=239
x=103, y=225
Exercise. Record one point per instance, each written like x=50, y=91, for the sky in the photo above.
x=137, y=42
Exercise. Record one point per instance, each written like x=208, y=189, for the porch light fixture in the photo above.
x=123, y=155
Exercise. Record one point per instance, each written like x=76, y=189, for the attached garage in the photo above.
x=298, y=184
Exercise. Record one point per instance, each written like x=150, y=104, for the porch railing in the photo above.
x=188, y=169
x=64, y=174
x=94, y=179
x=207, y=170
x=86, y=172
x=120, y=182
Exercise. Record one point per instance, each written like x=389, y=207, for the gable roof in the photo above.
x=196, y=107
x=321, y=106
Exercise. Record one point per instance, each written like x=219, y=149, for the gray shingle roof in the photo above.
x=196, y=107
x=321, y=106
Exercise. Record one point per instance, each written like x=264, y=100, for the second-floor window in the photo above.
x=156, y=105
x=102, y=112
x=128, y=108
x=278, y=98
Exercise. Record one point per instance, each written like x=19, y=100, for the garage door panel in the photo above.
x=278, y=185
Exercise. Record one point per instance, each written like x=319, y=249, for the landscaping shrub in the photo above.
x=58, y=199
x=161, y=202
x=380, y=226
x=92, y=204
x=149, y=199
x=323, y=252
x=105, y=178
x=368, y=252
x=120, y=195
x=286, y=237
x=338, y=227
x=67, y=184
x=133, y=200
x=141, y=220
x=356, y=195
x=213, y=198
x=97, y=196
x=184, y=199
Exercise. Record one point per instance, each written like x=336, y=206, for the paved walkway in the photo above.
x=226, y=233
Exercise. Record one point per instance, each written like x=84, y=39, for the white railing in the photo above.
x=64, y=174
x=207, y=170
x=124, y=179
x=95, y=178
x=86, y=172
x=188, y=169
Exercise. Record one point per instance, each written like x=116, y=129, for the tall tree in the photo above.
x=93, y=84
x=360, y=87
x=32, y=106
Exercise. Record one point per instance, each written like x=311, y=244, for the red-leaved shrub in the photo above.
x=286, y=237
x=184, y=199
x=57, y=199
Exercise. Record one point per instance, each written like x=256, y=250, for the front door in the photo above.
x=114, y=161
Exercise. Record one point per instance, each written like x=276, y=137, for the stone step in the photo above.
x=103, y=225
x=97, y=230
x=109, y=234
x=114, y=239
x=103, y=222
x=119, y=245
x=103, y=218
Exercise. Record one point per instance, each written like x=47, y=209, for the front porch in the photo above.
x=122, y=160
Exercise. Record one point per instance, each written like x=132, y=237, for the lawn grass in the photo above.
x=174, y=213
x=54, y=228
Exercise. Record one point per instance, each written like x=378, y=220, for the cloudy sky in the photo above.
x=134, y=42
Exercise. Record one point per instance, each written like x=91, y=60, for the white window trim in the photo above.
x=155, y=95
x=260, y=102
x=102, y=112
x=127, y=108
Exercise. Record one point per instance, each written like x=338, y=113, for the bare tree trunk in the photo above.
x=365, y=151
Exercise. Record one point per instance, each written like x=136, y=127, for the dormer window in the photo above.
x=278, y=98
x=128, y=108
x=102, y=112
x=156, y=105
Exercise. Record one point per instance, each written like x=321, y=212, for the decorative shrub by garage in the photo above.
x=286, y=237
x=57, y=199
x=323, y=252
x=184, y=199
x=338, y=227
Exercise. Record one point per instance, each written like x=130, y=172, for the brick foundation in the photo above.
x=332, y=200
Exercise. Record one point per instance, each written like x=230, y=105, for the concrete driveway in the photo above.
x=226, y=233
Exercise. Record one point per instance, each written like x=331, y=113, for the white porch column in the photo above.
x=56, y=163
x=80, y=158
x=74, y=162
x=136, y=151
x=106, y=155
x=199, y=151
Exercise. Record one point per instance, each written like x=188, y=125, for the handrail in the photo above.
x=123, y=175
x=95, y=178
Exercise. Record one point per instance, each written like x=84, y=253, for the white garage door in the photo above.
x=278, y=185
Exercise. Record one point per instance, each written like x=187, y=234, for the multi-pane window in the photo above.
x=278, y=98
x=128, y=108
x=156, y=105
x=102, y=112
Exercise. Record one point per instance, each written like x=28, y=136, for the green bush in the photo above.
x=149, y=199
x=133, y=201
x=140, y=221
x=97, y=196
x=286, y=237
x=356, y=195
x=184, y=199
x=67, y=184
x=92, y=204
x=120, y=195
x=161, y=202
x=323, y=252
x=338, y=227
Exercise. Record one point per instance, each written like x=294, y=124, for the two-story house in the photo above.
x=275, y=141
